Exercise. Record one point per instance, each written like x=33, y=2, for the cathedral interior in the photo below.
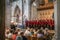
x=29, y=10
x=30, y=20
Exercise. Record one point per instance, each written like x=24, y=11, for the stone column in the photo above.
x=33, y=12
x=2, y=19
x=8, y=14
x=57, y=19
x=27, y=9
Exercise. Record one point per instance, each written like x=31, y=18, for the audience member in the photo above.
x=19, y=37
x=14, y=36
x=23, y=37
x=40, y=34
x=27, y=32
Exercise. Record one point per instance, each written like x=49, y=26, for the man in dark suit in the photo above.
x=13, y=26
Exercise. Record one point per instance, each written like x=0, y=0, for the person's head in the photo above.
x=31, y=29
x=22, y=33
x=28, y=29
x=15, y=33
x=18, y=30
x=11, y=31
x=41, y=28
x=46, y=29
x=36, y=29
x=7, y=32
x=40, y=31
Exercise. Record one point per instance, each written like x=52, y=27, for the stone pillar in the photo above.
x=27, y=9
x=57, y=19
x=29, y=14
x=33, y=12
x=2, y=19
x=8, y=14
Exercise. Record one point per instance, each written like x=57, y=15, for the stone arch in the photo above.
x=17, y=13
x=17, y=9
